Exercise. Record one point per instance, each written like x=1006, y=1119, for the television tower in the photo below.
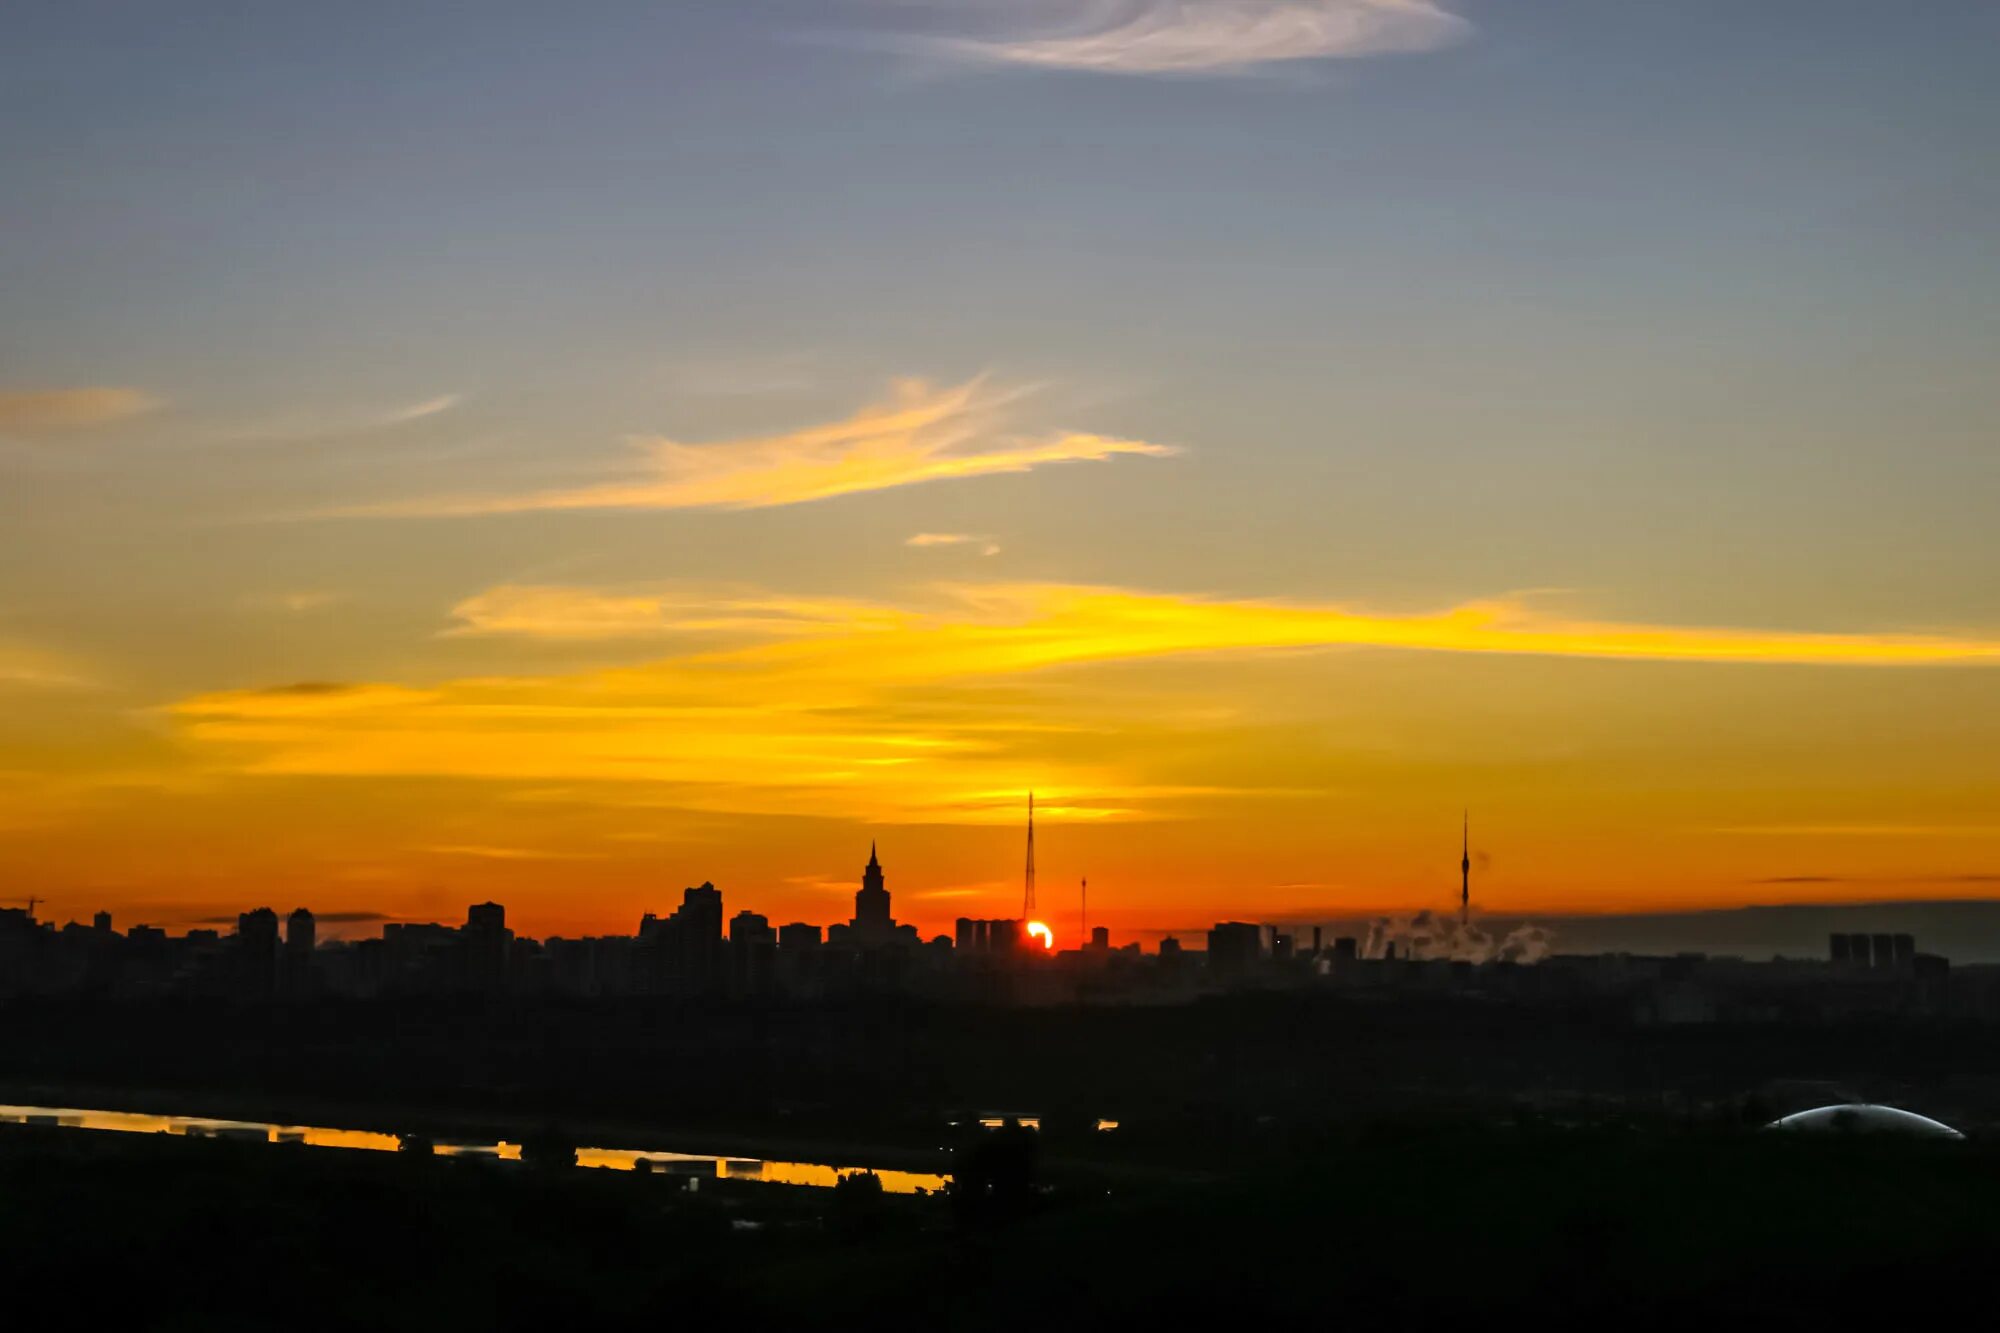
x=1028, y=893
x=1465, y=875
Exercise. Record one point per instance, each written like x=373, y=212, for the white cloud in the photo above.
x=1204, y=36
x=430, y=407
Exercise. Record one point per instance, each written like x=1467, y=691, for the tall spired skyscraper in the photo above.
x=871, y=902
x=1028, y=893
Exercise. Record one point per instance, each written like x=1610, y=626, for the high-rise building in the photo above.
x=257, y=951
x=301, y=933
x=872, y=922
x=1882, y=948
x=685, y=948
x=753, y=949
x=799, y=935
x=1234, y=948
x=301, y=937
x=872, y=927
x=487, y=943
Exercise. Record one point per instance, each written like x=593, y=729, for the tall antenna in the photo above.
x=1465, y=874
x=1028, y=895
x=1083, y=915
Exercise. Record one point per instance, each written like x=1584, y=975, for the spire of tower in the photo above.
x=871, y=853
x=1465, y=872
x=1028, y=895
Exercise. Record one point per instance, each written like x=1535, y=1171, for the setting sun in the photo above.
x=1040, y=930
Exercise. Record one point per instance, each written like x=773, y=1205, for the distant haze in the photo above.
x=1964, y=932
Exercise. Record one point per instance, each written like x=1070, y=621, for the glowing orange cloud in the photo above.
x=872, y=711
x=62, y=409
x=986, y=629
x=922, y=434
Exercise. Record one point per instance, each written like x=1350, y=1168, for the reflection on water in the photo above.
x=616, y=1159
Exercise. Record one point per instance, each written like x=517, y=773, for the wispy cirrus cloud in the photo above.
x=72, y=408
x=922, y=434
x=556, y=612
x=33, y=668
x=1198, y=36
x=317, y=425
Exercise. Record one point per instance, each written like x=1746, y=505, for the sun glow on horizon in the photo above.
x=1039, y=930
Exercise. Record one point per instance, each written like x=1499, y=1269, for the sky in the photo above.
x=561, y=454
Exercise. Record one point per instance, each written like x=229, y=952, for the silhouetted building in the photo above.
x=301, y=938
x=101, y=923
x=256, y=952
x=685, y=949
x=799, y=935
x=487, y=944
x=871, y=902
x=753, y=948
x=301, y=934
x=1234, y=948
x=872, y=927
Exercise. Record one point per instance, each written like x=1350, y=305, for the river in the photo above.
x=695, y=1165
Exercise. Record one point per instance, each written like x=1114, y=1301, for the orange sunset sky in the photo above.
x=561, y=462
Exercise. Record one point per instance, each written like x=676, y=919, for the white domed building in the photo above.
x=1866, y=1118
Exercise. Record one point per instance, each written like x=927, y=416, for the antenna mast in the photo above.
x=1465, y=874
x=1028, y=892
